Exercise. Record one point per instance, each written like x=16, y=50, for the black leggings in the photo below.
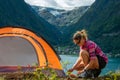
x=101, y=61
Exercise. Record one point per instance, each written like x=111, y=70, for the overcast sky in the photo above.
x=60, y=4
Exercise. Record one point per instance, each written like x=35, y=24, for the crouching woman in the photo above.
x=91, y=58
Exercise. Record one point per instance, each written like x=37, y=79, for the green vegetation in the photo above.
x=50, y=74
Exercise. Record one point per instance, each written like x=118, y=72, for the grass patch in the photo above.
x=50, y=74
x=40, y=75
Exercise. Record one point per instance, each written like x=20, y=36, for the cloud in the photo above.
x=60, y=4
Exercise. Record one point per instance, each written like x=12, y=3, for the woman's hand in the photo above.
x=70, y=70
x=81, y=71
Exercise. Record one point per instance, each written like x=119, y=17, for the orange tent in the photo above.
x=21, y=47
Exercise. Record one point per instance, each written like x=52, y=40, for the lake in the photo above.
x=113, y=63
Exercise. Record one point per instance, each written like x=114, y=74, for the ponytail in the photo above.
x=84, y=34
x=80, y=34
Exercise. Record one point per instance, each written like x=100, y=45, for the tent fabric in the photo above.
x=21, y=47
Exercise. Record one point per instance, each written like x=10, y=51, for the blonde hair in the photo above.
x=80, y=34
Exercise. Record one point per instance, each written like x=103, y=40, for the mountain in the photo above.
x=60, y=17
x=102, y=21
x=18, y=13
